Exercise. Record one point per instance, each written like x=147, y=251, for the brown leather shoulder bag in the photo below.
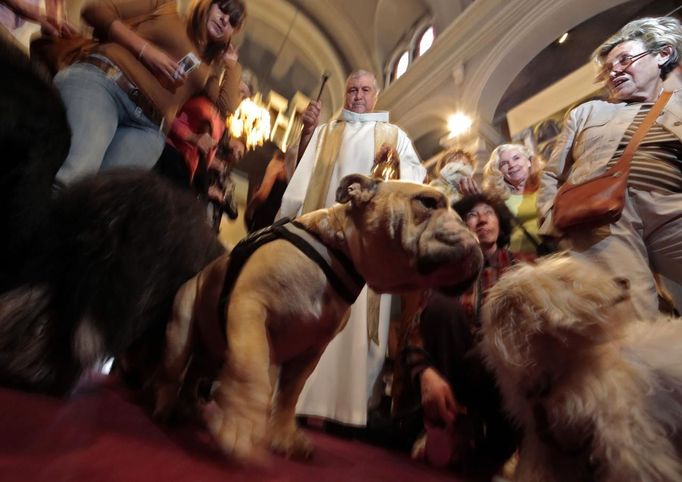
x=600, y=200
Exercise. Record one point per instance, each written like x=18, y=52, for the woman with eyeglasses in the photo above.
x=465, y=426
x=122, y=95
x=633, y=64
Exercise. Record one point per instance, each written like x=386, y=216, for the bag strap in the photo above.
x=623, y=163
x=535, y=242
x=518, y=223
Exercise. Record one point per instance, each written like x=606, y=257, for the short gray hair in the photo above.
x=655, y=33
x=361, y=73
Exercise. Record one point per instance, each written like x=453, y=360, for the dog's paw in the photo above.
x=165, y=397
x=292, y=444
x=418, y=451
x=238, y=430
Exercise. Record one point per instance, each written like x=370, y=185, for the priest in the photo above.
x=340, y=387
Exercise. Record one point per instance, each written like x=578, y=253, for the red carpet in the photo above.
x=101, y=434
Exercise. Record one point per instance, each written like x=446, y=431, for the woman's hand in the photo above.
x=62, y=29
x=231, y=54
x=160, y=63
x=56, y=15
x=205, y=143
x=53, y=23
x=468, y=186
x=438, y=401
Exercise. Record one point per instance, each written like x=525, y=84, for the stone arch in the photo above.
x=306, y=38
x=392, y=25
x=491, y=74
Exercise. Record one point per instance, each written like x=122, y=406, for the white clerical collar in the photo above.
x=350, y=116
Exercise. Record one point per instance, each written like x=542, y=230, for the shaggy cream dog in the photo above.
x=597, y=393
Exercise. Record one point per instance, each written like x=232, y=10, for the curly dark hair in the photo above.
x=504, y=216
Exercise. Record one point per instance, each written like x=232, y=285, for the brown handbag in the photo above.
x=600, y=200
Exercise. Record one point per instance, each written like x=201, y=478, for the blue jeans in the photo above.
x=107, y=129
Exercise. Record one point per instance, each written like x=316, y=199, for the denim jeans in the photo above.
x=107, y=129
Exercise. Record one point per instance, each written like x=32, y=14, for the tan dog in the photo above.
x=283, y=311
x=597, y=393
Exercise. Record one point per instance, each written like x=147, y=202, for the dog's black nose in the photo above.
x=622, y=282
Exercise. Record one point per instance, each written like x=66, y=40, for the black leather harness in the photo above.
x=342, y=275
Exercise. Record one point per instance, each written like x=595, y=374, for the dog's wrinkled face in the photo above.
x=549, y=306
x=406, y=237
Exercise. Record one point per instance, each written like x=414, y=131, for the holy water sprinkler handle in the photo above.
x=325, y=77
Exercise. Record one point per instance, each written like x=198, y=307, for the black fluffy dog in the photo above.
x=34, y=140
x=94, y=271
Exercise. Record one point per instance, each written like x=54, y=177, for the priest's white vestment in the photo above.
x=342, y=382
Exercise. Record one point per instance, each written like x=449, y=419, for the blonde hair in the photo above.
x=654, y=33
x=197, y=16
x=493, y=179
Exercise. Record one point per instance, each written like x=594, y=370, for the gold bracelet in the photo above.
x=139, y=56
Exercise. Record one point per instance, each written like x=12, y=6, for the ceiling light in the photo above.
x=458, y=124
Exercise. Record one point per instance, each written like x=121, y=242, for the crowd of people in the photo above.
x=150, y=89
x=153, y=91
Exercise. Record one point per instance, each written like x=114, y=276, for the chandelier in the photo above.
x=250, y=122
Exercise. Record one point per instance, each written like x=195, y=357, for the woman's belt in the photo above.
x=139, y=99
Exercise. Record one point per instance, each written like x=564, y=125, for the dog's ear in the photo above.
x=356, y=188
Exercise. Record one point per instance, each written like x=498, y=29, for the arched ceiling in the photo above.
x=558, y=60
x=476, y=59
x=289, y=43
x=490, y=54
x=386, y=35
x=288, y=52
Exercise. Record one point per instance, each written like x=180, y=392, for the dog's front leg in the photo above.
x=243, y=395
x=177, y=351
x=632, y=447
x=285, y=437
x=535, y=461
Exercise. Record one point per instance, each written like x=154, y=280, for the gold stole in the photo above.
x=326, y=154
x=384, y=133
x=328, y=145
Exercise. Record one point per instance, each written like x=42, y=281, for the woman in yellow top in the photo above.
x=123, y=94
x=512, y=174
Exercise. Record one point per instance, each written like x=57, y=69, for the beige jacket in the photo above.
x=589, y=139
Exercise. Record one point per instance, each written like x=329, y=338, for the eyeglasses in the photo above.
x=229, y=9
x=623, y=62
